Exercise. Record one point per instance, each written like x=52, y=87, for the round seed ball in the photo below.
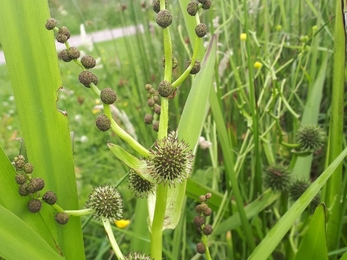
x=196, y=68
x=22, y=190
x=157, y=109
x=28, y=168
x=200, y=248
x=165, y=88
x=35, y=184
x=192, y=8
x=64, y=55
x=108, y=96
x=155, y=126
x=164, y=18
x=206, y=5
x=62, y=218
x=34, y=205
x=86, y=78
x=201, y=30
x=50, y=24
x=148, y=119
x=103, y=123
x=88, y=62
x=73, y=52
x=49, y=197
x=207, y=230
x=20, y=178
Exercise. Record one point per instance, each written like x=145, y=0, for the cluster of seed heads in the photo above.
x=203, y=211
x=171, y=160
x=193, y=8
x=29, y=186
x=153, y=102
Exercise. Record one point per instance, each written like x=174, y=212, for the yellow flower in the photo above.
x=122, y=223
x=258, y=65
x=243, y=36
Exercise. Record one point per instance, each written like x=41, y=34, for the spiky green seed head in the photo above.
x=20, y=178
x=311, y=138
x=174, y=62
x=171, y=160
x=207, y=230
x=200, y=248
x=297, y=188
x=277, y=178
x=28, y=168
x=108, y=96
x=137, y=256
x=86, y=78
x=155, y=126
x=103, y=123
x=206, y=5
x=201, y=30
x=157, y=109
x=50, y=23
x=192, y=8
x=148, y=119
x=23, y=189
x=19, y=162
x=49, y=197
x=139, y=186
x=164, y=18
x=88, y=62
x=64, y=56
x=62, y=218
x=34, y=205
x=165, y=88
x=74, y=53
x=106, y=202
x=196, y=68
x=35, y=185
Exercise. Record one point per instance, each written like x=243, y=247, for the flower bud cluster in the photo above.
x=153, y=102
x=203, y=211
x=31, y=186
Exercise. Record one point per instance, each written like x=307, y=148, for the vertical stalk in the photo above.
x=257, y=176
x=333, y=186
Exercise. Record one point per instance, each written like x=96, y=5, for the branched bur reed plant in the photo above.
x=158, y=173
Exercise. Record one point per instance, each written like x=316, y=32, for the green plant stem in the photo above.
x=158, y=221
x=118, y=130
x=333, y=186
x=205, y=241
x=80, y=212
x=112, y=239
x=257, y=176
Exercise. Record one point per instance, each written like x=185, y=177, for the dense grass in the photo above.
x=260, y=108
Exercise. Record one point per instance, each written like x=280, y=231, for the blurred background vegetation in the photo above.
x=289, y=38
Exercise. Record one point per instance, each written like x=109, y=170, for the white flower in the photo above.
x=84, y=139
x=203, y=143
x=11, y=98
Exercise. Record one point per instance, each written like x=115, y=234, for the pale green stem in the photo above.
x=111, y=238
x=80, y=212
x=207, y=253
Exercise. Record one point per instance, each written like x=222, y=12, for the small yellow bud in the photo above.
x=122, y=223
x=278, y=27
x=258, y=65
x=243, y=37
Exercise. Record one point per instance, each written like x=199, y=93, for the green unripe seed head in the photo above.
x=86, y=78
x=64, y=55
x=165, y=88
x=20, y=178
x=34, y=205
x=108, y=96
x=73, y=53
x=201, y=30
x=49, y=197
x=192, y=8
x=148, y=119
x=139, y=186
x=164, y=18
x=28, y=168
x=103, y=123
x=50, y=24
x=62, y=218
x=88, y=62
